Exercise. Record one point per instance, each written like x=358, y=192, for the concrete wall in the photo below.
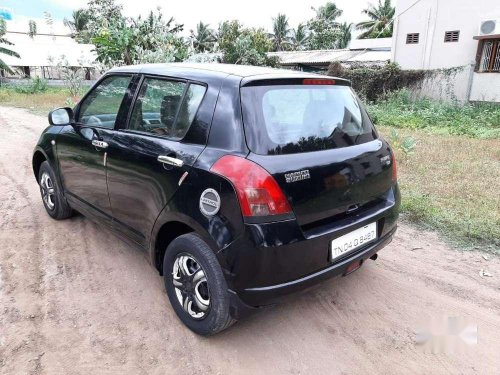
x=485, y=87
x=446, y=85
x=431, y=19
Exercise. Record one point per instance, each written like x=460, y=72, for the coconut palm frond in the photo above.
x=4, y=66
x=8, y=52
x=281, y=32
x=380, y=23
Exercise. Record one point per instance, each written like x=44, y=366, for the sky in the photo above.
x=257, y=13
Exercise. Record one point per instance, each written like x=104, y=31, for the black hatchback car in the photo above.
x=242, y=184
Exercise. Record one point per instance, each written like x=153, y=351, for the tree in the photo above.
x=241, y=45
x=329, y=11
x=345, y=35
x=50, y=23
x=203, y=39
x=78, y=24
x=114, y=44
x=79, y=20
x=299, y=38
x=324, y=30
x=157, y=39
x=281, y=32
x=381, y=23
x=139, y=40
x=31, y=28
x=227, y=34
x=4, y=50
x=101, y=14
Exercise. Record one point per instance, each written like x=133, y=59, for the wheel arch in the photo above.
x=38, y=158
x=166, y=234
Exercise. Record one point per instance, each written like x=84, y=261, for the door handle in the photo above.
x=164, y=159
x=100, y=144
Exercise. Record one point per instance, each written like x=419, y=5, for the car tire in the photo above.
x=191, y=253
x=53, y=200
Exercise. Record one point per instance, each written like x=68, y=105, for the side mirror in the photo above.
x=61, y=116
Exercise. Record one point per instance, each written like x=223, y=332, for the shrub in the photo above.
x=404, y=145
x=400, y=110
x=376, y=82
x=35, y=85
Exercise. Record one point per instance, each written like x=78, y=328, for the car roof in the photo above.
x=216, y=70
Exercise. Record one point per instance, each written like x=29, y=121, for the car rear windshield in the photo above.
x=285, y=119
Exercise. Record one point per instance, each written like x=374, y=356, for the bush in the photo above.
x=240, y=45
x=400, y=110
x=35, y=85
x=403, y=145
x=376, y=82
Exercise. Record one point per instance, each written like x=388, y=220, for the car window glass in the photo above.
x=188, y=109
x=157, y=105
x=162, y=108
x=283, y=119
x=101, y=107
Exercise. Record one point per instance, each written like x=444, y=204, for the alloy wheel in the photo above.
x=191, y=286
x=48, y=191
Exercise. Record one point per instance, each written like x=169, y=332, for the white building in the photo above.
x=460, y=34
x=42, y=55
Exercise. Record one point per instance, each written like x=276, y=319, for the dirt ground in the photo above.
x=76, y=300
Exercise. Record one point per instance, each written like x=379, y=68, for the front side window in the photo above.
x=490, y=56
x=166, y=108
x=283, y=119
x=100, y=108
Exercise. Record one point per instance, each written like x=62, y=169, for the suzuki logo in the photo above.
x=297, y=176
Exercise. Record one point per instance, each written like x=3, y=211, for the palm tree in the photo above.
x=344, y=35
x=204, y=38
x=329, y=11
x=299, y=37
x=32, y=29
x=4, y=50
x=381, y=20
x=78, y=22
x=281, y=32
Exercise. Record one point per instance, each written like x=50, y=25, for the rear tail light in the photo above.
x=258, y=192
x=394, y=167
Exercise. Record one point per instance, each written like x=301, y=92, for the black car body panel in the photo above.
x=339, y=179
x=125, y=188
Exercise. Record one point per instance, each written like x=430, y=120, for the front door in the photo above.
x=147, y=160
x=82, y=148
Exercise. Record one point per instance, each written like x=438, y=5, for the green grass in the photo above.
x=481, y=120
x=451, y=184
x=39, y=102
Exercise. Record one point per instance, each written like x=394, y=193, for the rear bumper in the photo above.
x=271, y=294
x=272, y=260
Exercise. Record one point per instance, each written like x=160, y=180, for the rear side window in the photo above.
x=283, y=119
x=166, y=108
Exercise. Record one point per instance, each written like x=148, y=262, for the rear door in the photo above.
x=315, y=138
x=147, y=159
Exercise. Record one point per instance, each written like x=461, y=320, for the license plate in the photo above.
x=353, y=240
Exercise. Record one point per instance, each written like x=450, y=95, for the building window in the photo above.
x=412, y=38
x=490, y=56
x=451, y=36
